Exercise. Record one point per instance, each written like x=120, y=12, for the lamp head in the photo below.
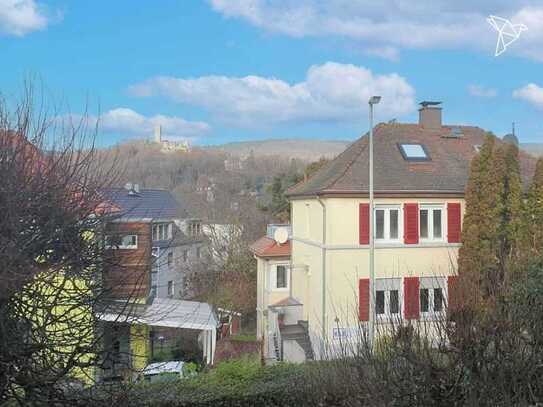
x=374, y=100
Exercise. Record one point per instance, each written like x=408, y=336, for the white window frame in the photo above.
x=387, y=285
x=431, y=283
x=273, y=277
x=170, y=259
x=431, y=208
x=387, y=209
x=129, y=247
x=162, y=231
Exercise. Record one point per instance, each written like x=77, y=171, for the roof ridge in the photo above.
x=304, y=180
x=349, y=164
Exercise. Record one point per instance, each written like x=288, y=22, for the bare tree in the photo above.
x=51, y=261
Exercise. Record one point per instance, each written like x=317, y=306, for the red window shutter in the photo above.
x=454, y=222
x=411, y=297
x=364, y=223
x=452, y=289
x=411, y=223
x=364, y=299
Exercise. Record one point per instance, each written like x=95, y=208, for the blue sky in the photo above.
x=231, y=70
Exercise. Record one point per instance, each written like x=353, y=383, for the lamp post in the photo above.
x=373, y=101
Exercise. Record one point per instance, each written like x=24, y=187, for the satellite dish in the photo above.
x=280, y=235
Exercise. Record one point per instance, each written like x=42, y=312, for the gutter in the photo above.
x=323, y=266
x=383, y=194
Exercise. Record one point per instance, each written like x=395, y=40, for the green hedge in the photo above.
x=237, y=383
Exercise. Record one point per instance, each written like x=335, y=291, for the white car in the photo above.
x=163, y=371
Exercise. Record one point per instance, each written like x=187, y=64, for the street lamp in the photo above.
x=373, y=101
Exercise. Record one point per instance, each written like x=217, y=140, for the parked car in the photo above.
x=164, y=371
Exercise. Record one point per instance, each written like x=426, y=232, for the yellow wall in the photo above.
x=139, y=346
x=347, y=261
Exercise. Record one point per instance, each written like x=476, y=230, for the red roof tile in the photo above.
x=446, y=172
x=267, y=247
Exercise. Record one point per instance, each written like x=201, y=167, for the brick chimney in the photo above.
x=430, y=115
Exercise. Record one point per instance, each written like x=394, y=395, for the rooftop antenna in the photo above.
x=513, y=126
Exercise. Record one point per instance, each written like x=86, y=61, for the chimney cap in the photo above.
x=426, y=103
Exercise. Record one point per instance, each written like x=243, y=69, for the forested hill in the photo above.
x=309, y=149
x=304, y=149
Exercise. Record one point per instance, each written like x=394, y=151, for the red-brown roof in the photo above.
x=267, y=247
x=446, y=172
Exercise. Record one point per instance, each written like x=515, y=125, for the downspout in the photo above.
x=323, y=267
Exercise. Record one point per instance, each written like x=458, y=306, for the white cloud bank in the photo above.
x=20, y=17
x=399, y=24
x=482, y=91
x=531, y=93
x=128, y=123
x=330, y=92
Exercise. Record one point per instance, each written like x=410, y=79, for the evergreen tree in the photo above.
x=512, y=230
x=534, y=211
x=479, y=263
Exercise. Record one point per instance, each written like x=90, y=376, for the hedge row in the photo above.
x=238, y=383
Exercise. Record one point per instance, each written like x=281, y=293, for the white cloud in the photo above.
x=424, y=24
x=530, y=93
x=127, y=122
x=390, y=53
x=482, y=91
x=20, y=17
x=330, y=92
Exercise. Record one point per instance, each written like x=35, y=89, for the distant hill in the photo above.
x=533, y=148
x=310, y=149
x=307, y=150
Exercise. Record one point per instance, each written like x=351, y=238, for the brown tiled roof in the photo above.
x=447, y=172
x=267, y=247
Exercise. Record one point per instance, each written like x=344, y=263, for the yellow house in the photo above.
x=421, y=171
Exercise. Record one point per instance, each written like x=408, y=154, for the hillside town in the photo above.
x=241, y=220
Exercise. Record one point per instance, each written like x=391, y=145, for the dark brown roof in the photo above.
x=267, y=247
x=446, y=172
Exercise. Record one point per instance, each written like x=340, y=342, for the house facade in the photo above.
x=152, y=245
x=421, y=171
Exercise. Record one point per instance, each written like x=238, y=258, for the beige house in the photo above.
x=421, y=171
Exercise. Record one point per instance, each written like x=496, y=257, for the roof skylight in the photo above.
x=414, y=152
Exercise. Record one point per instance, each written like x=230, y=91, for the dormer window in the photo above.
x=414, y=152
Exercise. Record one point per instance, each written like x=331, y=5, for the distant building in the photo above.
x=233, y=164
x=152, y=244
x=168, y=145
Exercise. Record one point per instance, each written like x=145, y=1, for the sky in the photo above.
x=217, y=71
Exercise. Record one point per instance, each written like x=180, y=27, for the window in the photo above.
x=170, y=288
x=431, y=223
x=414, y=152
x=170, y=259
x=432, y=296
x=387, y=297
x=280, y=277
x=195, y=228
x=121, y=242
x=198, y=254
x=162, y=231
x=185, y=255
x=387, y=223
